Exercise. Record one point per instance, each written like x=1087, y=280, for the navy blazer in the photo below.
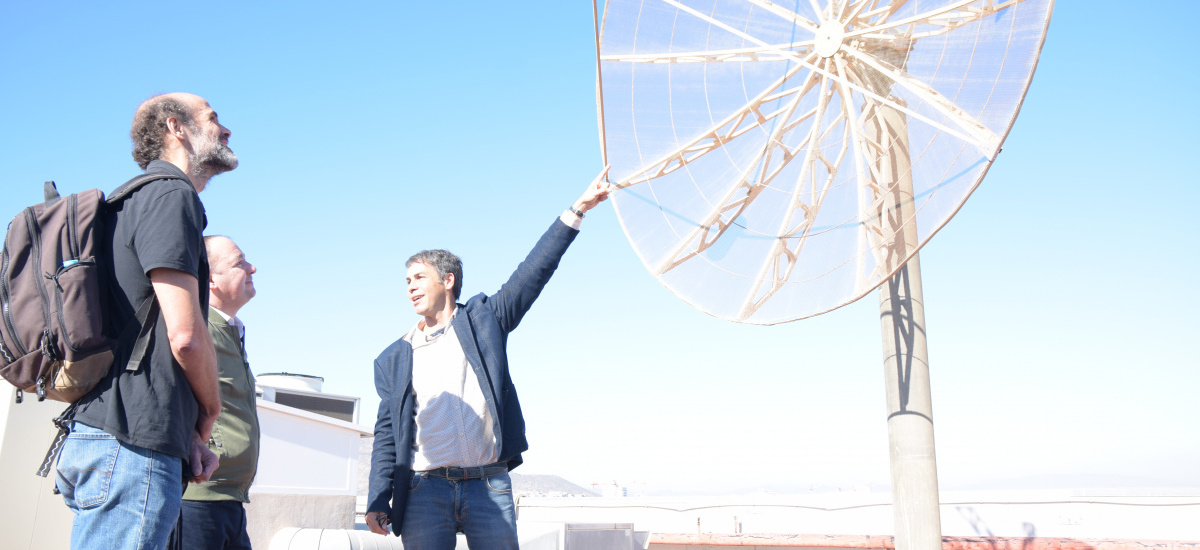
x=482, y=326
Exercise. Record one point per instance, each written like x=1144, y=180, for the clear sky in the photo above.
x=1060, y=304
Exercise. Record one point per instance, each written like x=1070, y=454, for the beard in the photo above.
x=212, y=156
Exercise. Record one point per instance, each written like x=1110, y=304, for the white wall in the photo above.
x=31, y=516
x=308, y=474
x=306, y=453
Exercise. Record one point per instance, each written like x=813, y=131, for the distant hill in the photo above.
x=1076, y=481
x=547, y=486
x=523, y=485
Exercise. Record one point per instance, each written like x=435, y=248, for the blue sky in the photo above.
x=1060, y=303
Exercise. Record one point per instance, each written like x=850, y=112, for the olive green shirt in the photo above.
x=235, y=435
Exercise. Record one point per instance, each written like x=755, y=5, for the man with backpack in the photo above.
x=122, y=467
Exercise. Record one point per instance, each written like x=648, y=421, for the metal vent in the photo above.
x=338, y=408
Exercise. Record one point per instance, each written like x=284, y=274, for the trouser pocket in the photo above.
x=86, y=466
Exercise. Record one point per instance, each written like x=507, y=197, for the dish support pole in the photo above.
x=905, y=356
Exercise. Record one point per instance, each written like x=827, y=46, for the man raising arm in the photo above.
x=450, y=426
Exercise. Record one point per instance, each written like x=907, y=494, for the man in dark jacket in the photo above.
x=450, y=425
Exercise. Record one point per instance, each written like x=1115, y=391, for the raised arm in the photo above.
x=596, y=193
x=523, y=287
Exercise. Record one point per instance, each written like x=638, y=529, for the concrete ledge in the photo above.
x=268, y=513
x=715, y=541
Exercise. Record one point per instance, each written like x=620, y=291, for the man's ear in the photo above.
x=175, y=128
x=449, y=281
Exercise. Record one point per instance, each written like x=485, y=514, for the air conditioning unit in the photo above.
x=303, y=392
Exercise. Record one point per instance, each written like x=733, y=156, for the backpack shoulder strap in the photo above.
x=51, y=193
x=144, y=321
x=127, y=188
x=147, y=313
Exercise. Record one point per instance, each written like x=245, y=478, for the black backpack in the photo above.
x=52, y=291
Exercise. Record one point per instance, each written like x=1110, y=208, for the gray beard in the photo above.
x=215, y=158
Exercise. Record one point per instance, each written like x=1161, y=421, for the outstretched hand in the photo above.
x=596, y=192
x=202, y=460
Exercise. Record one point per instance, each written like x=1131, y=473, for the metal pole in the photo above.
x=918, y=524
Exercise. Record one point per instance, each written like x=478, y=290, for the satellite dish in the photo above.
x=760, y=147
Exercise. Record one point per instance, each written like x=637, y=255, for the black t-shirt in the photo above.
x=159, y=225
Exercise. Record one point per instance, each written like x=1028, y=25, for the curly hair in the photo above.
x=150, y=125
x=444, y=262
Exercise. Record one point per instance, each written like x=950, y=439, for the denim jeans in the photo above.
x=123, y=497
x=482, y=509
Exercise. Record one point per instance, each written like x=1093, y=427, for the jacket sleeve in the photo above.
x=383, y=452
x=517, y=295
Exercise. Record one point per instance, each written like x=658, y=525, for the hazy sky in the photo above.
x=1059, y=301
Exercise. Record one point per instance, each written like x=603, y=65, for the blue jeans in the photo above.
x=482, y=509
x=122, y=496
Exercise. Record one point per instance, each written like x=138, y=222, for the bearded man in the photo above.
x=122, y=468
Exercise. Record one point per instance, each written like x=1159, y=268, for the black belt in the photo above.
x=475, y=472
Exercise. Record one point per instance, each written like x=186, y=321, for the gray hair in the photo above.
x=150, y=125
x=208, y=246
x=444, y=262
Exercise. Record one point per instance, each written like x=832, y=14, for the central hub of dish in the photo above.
x=829, y=38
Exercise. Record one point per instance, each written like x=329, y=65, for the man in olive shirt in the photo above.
x=214, y=516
